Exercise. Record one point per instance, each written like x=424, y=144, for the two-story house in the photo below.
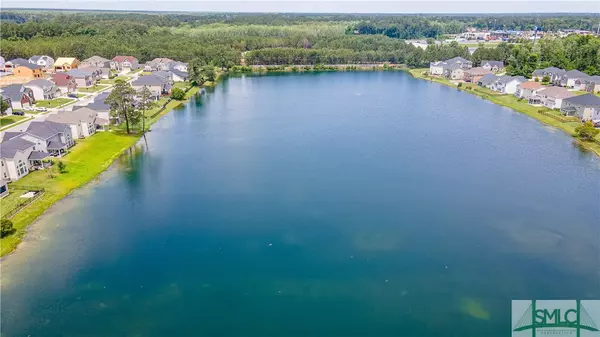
x=43, y=89
x=81, y=121
x=44, y=61
x=19, y=96
x=493, y=66
x=586, y=107
x=10, y=65
x=124, y=63
x=64, y=82
x=157, y=85
x=65, y=63
x=528, y=89
x=28, y=71
x=83, y=77
x=552, y=97
x=51, y=137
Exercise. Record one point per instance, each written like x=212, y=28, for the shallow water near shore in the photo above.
x=325, y=204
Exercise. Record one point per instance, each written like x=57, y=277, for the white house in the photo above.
x=43, y=61
x=124, y=63
x=43, y=89
x=528, y=89
x=82, y=121
x=14, y=157
x=552, y=97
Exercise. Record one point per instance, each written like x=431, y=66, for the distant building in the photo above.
x=473, y=75
x=438, y=68
x=586, y=107
x=494, y=66
x=65, y=63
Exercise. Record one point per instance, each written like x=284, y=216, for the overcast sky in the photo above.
x=330, y=6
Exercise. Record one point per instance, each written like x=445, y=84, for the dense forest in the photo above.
x=276, y=39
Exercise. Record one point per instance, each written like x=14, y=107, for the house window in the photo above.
x=21, y=168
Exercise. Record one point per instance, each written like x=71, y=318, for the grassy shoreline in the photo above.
x=84, y=163
x=543, y=114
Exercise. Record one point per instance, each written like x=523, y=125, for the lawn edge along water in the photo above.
x=512, y=102
x=77, y=174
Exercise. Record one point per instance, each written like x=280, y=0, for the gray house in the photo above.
x=50, y=137
x=571, y=77
x=439, y=67
x=44, y=61
x=83, y=77
x=586, y=107
x=487, y=80
x=157, y=85
x=553, y=73
x=493, y=66
x=18, y=95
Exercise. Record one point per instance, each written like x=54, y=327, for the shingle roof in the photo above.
x=9, y=148
x=531, y=85
x=149, y=80
x=576, y=74
x=56, y=145
x=96, y=59
x=586, y=100
x=30, y=66
x=38, y=155
x=499, y=64
x=18, y=61
x=478, y=71
x=36, y=58
x=95, y=106
x=73, y=117
x=79, y=73
x=163, y=74
x=456, y=60
x=179, y=73
x=487, y=79
x=121, y=58
x=556, y=92
x=45, y=129
x=40, y=83
x=13, y=91
x=10, y=134
x=61, y=79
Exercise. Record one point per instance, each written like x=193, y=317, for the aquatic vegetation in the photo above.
x=474, y=308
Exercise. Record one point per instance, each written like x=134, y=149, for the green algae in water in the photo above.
x=474, y=309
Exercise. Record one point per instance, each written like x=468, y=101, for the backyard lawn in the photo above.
x=113, y=80
x=85, y=161
x=94, y=88
x=12, y=200
x=53, y=103
x=8, y=120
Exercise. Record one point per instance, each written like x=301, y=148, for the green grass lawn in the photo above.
x=182, y=85
x=8, y=120
x=94, y=88
x=53, y=103
x=12, y=200
x=113, y=80
x=85, y=161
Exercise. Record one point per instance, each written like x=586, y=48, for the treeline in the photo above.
x=411, y=27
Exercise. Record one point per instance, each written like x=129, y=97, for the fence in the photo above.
x=562, y=119
x=39, y=191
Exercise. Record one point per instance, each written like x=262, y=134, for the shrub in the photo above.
x=460, y=85
x=62, y=167
x=177, y=94
x=6, y=227
x=586, y=131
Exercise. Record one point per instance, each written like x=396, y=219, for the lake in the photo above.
x=332, y=204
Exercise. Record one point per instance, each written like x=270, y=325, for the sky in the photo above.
x=316, y=6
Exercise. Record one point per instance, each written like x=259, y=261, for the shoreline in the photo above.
x=541, y=114
x=65, y=184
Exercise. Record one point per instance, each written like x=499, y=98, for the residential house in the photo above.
x=95, y=61
x=51, y=137
x=43, y=89
x=507, y=84
x=2, y=62
x=161, y=63
x=493, y=66
x=586, y=107
x=569, y=78
x=64, y=82
x=181, y=66
x=28, y=71
x=593, y=84
x=3, y=188
x=553, y=73
x=454, y=72
x=552, y=97
x=19, y=96
x=473, y=75
x=487, y=80
x=439, y=67
x=124, y=63
x=83, y=77
x=44, y=61
x=11, y=64
x=157, y=85
x=82, y=121
x=14, y=157
x=528, y=89
x=179, y=75
x=101, y=109
x=66, y=63
x=167, y=75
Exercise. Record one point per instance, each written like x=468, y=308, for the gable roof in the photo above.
x=163, y=74
x=179, y=73
x=40, y=82
x=13, y=91
x=61, y=79
x=73, y=117
x=30, y=66
x=11, y=134
x=531, y=85
x=488, y=78
x=121, y=58
x=10, y=147
x=36, y=58
x=478, y=71
x=64, y=60
x=80, y=73
x=585, y=100
x=575, y=74
x=162, y=60
x=96, y=59
x=149, y=80
x=19, y=61
x=556, y=92
x=457, y=60
x=45, y=129
x=498, y=64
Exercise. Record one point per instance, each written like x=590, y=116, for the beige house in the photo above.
x=552, y=97
x=81, y=121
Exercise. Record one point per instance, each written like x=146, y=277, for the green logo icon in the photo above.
x=555, y=318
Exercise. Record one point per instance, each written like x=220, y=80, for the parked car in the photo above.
x=41, y=109
x=18, y=113
x=596, y=123
x=72, y=95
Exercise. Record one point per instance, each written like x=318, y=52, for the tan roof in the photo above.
x=478, y=71
x=556, y=92
x=64, y=60
x=531, y=85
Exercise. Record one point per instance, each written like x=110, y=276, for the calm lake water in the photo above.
x=341, y=204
